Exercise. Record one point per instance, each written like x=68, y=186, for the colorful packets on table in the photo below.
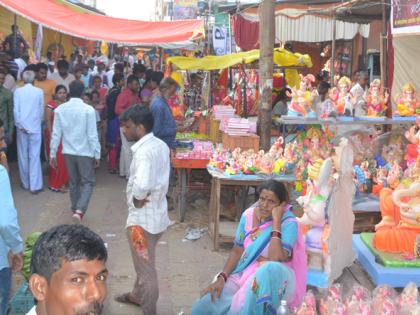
x=196, y=149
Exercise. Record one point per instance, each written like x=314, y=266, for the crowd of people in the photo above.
x=110, y=87
x=71, y=116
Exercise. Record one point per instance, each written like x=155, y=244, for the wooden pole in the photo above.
x=267, y=37
x=334, y=36
x=383, y=46
x=243, y=92
x=15, y=47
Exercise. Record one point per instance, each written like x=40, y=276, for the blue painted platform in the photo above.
x=404, y=118
x=317, y=278
x=395, y=277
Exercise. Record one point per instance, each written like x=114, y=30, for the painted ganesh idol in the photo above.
x=301, y=103
x=400, y=225
x=407, y=102
x=376, y=99
x=399, y=230
x=345, y=101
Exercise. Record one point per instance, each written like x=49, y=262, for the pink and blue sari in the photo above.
x=257, y=286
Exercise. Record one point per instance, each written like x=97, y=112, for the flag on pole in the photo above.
x=38, y=43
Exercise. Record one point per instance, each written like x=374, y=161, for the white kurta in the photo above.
x=28, y=113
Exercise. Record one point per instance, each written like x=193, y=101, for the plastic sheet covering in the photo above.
x=281, y=57
x=54, y=15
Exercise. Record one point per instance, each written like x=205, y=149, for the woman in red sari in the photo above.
x=58, y=177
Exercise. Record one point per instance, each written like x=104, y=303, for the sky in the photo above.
x=128, y=9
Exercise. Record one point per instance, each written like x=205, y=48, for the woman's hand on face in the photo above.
x=277, y=212
x=215, y=289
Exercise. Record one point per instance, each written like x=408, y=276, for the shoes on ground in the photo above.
x=77, y=217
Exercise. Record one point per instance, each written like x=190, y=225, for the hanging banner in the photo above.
x=185, y=9
x=405, y=17
x=223, y=20
x=220, y=41
x=38, y=42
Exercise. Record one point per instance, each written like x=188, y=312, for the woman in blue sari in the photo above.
x=267, y=263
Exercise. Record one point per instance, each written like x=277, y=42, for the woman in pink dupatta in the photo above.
x=267, y=263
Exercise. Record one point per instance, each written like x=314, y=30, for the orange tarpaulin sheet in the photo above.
x=91, y=26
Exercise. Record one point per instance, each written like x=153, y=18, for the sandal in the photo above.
x=126, y=299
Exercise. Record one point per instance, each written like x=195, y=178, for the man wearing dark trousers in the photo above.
x=75, y=126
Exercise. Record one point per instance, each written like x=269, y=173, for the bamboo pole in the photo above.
x=334, y=36
x=267, y=37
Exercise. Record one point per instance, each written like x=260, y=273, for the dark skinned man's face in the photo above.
x=77, y=288
x=42, y=75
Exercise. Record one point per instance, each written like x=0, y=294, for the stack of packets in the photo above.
x=238, y=126
x=220, y=112
x=201, y=150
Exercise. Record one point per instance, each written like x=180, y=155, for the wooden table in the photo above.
x=183, y=168
x=214, y=207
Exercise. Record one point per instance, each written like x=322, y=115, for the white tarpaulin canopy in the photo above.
x=297, y=24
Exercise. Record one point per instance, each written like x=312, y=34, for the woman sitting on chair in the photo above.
x=267, y=263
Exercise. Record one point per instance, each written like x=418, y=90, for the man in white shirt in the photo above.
x=147, y=205
x=28, y=113
x=62, y=77
x=68, y=272
x=358, y=91
x=22, y=62
x=75, y=125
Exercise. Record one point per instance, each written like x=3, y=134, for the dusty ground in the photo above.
x=184, y=267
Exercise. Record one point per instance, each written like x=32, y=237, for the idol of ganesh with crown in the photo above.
x=399, y=230
x=302, y=99
x=344, y=101
x=407, y=102
x=376, y=99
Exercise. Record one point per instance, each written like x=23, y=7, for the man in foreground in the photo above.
x=68, y=272
x=147, y=205
x=75, y=125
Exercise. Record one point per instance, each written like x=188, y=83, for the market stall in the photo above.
x=193, y=152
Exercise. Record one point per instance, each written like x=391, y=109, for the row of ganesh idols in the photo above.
x=360, y=301
x=391, y=171
x=389, y=168
x=348, y=99
x=302, y=157
x=315, y=163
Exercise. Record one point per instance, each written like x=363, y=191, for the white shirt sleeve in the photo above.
x=142, y=179
x=93, y=133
